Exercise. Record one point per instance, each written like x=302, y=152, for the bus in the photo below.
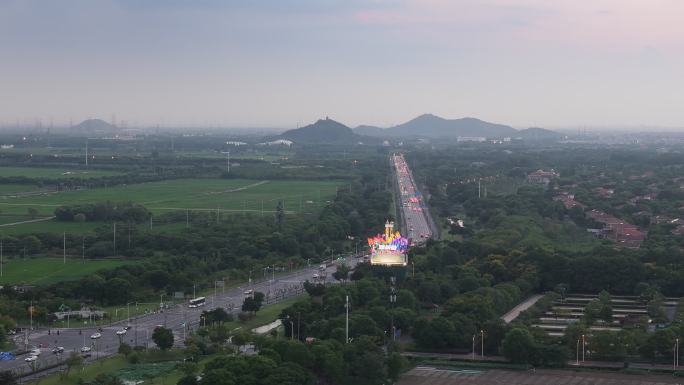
x=197, y=302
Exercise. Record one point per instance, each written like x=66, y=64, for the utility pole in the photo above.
x=64, y=248
x=346, y=326
x=86, y=153
x=1, y=268
x=473, y=347
x=187, y=218
x=83, y=250
x=393, y=300
x=114, y=237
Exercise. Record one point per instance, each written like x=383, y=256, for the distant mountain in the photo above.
x=537, y=133
x=369, y=130
x=94, y=125
x=432, y=126
x=326, y=131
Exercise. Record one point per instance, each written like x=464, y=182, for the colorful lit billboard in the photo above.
x=389, y=248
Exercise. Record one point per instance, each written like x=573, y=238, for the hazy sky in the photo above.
x=283, y=62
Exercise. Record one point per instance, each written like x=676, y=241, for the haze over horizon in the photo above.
x=610, y=63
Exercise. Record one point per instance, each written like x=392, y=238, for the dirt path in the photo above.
x=29, y=221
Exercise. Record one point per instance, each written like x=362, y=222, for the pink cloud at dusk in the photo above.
x=612, y=23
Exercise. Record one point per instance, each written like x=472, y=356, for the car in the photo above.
x=249, y=292
x=58, y=350
x=85, y=349
x=128, y=327
x=35, y=352
x=315, y=276
x=31, y=358
x=121, y=332
x=95, y=336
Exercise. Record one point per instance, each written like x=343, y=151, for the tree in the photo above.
x=187, y=380
x=519, y=345
x=125, y=349
x=288, y=373
x=280, y=215
x=163, y=338
x=73, y=360
x=217, y=315
x=240, y=339
x=606, y=312
x=314, y=289
x=395, y=364
x=32, y=212
x=251, y=305
x=217, y=377
x=7, y=378
x=106, y=379
x=437, y=333
x=592, y=311
x=341, y=273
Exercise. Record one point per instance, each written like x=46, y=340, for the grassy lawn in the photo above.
x=87, y=373
x=54, y=173
x=44, y=271
x=264, y=316
x=11, y=188
x=228, y=195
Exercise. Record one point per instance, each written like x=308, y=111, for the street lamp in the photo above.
x=473, y=347
x=128, y=312
x=577, y=353
x=675, y=352
x=482, y=337
x=584, y=344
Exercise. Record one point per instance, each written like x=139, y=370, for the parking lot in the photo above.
x=433, y=376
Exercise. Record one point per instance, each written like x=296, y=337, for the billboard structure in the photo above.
x=390, y=248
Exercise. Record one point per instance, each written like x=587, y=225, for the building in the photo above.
x=542, y=177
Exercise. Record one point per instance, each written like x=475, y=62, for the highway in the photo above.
x=142, y=327
x=411, y=203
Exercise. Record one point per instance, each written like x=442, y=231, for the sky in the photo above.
x=283, y=63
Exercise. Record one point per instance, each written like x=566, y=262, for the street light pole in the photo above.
x=675, y=359
x=346, y=325
x=473, y=347
x=584, y=344
x=577, y=353
x=482, y=338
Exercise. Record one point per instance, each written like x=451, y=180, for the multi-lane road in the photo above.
x=412, y=206
x=180, y=318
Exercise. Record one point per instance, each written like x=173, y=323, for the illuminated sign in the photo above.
x=389, y=248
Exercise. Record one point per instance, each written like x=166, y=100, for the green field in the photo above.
x=9, y=189
x=45, y=271
x=227, y=195
x=54, y=173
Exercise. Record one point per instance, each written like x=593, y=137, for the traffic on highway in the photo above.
x=50, y=347
x=412, y=205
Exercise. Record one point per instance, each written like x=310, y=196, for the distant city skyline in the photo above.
x=283, y=63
